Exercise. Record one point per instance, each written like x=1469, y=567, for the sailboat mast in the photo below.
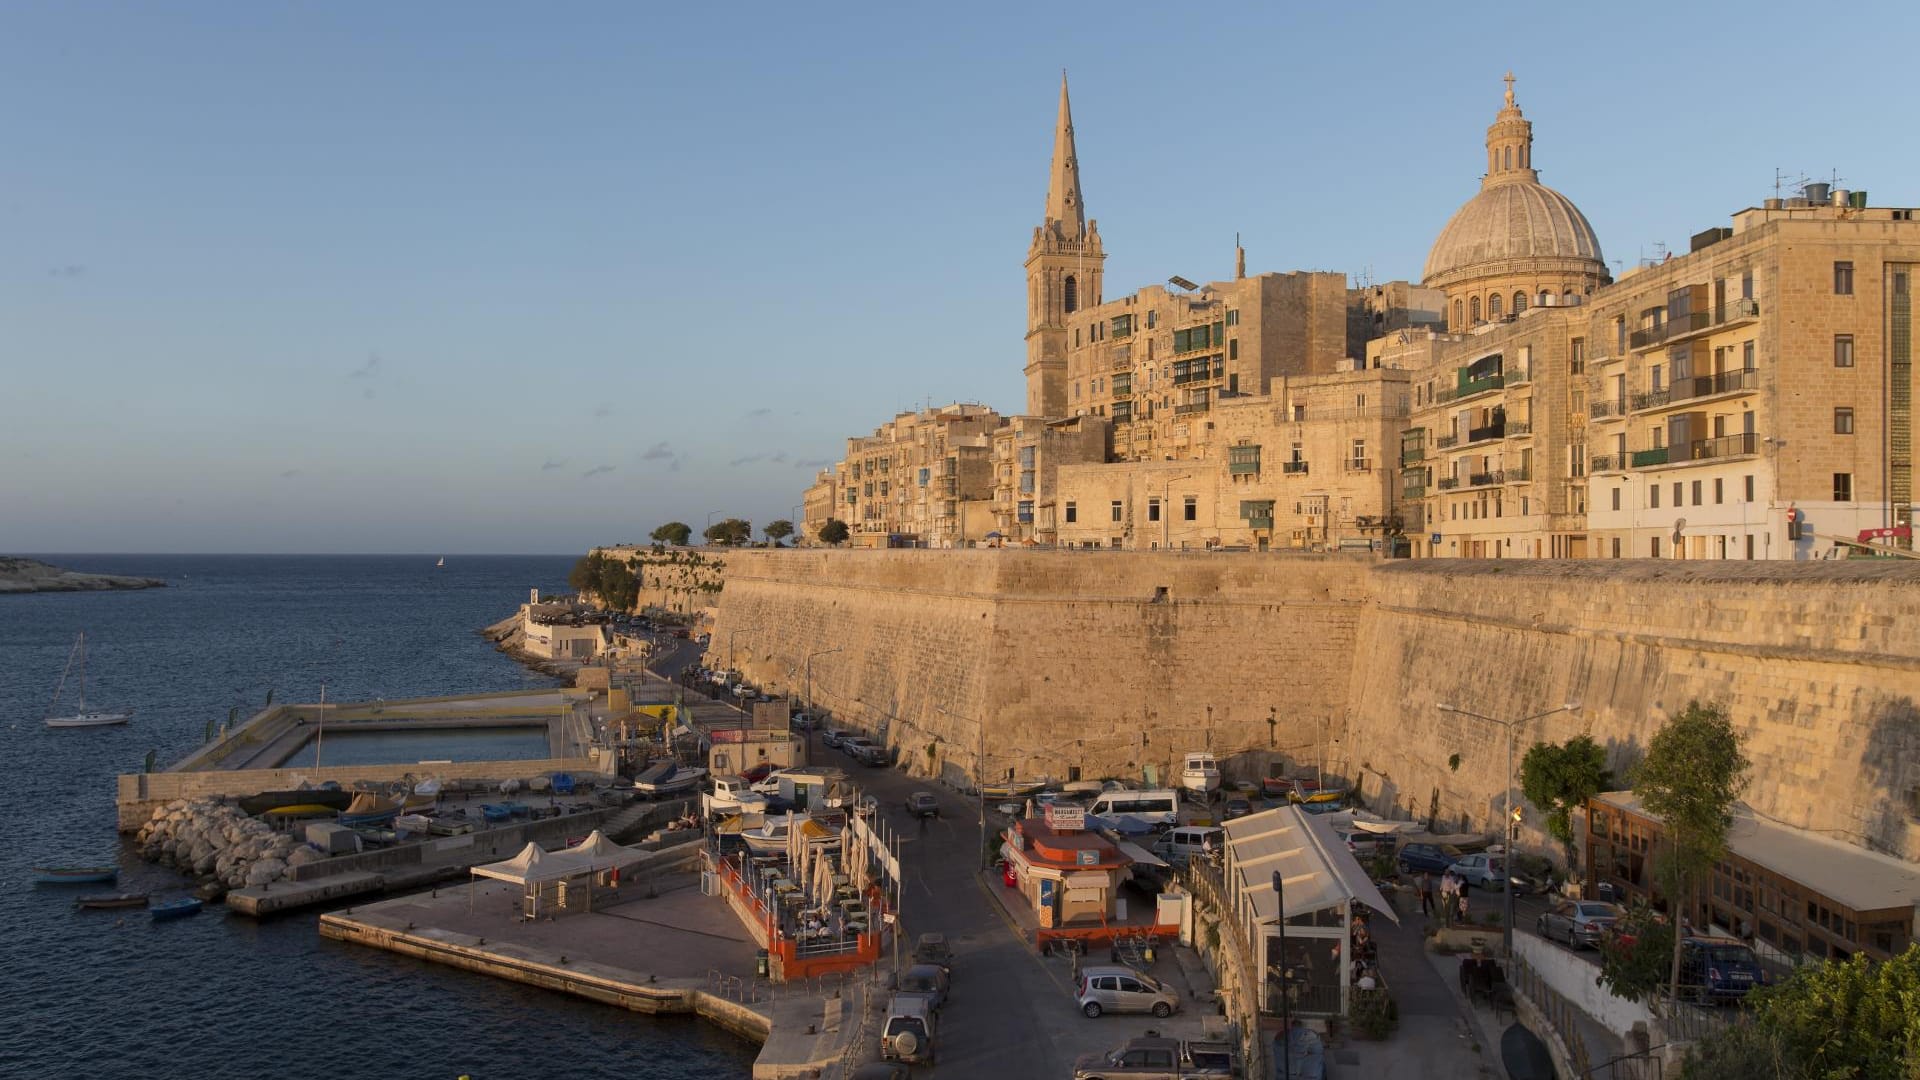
x=80, y=645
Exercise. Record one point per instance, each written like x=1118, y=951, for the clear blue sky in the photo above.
x=446, y=277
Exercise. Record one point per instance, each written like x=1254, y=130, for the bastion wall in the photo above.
x=1113, y=663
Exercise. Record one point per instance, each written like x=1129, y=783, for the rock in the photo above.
x=303, y=855
x=265, y=872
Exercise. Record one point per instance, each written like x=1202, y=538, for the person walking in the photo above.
x=1464, y=887
x=1449, y=897
x=1426, y=893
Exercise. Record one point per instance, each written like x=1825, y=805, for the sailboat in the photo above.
x=83, y=718
x=441, y=563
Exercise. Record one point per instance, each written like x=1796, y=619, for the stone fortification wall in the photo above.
x=1818, y=664
x=1107, y=662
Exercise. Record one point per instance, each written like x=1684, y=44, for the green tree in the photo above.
x=834, y=532
x=1633, y=959
x=676, y=533
x=1856, y=1019
x=1693, y=772
x=1556, y=778
x=733, y=531
x=778, y=530
x=614, y=582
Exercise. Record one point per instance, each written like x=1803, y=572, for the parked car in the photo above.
x=1482, y=870
x=871, y=755
x=850, y=744
x=1105, y=989
x=1364, y=844
x=1578, y=922
x=770, y=783
x=909, y=1030
x=1435, y=858
x=926, y=980
x=1236, y=808
x=833, y=736
x=923, y=805
x=1156, y=1058
x=1718, y=969
x=933, y=949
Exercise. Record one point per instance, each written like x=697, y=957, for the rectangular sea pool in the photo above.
x=408, y=747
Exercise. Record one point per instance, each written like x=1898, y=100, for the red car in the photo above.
x=757, y=773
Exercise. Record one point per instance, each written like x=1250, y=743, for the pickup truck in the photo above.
x=732, y=795
x=1153, y=1057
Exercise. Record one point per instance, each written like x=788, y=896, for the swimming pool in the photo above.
x=427, y=744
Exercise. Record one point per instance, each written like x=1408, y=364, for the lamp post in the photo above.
x=807, y=697
x=979, y=771
x=731, y=631
x=1166, y=507
x=1506, y=936
x=1286, y=976
x=798, y=522
x=710, y=514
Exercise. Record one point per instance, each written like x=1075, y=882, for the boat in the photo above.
x=281, y=813
x=111, y=900
x=1200, y=773
x=449, y=827
x=413, y=823
x=74, y=875
x=83, y=718
x=667, y=777
x=177, y=909
x=496, y=812
x=771, y=836
x=326, y=799
x=442, y=562
x=368, y=809
x=562, y=783
x=1014, y=789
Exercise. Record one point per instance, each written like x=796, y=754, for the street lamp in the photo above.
x=979, y=771
x=710, y=514
x=1286, y=976
x=731, y=631
x=798, y=522
x=1506, y=936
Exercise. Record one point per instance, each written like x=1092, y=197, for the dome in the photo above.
x=1516, y=219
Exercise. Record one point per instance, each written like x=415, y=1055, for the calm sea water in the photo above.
x=104, y=995
x=407, y=747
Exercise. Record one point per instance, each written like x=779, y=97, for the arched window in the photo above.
x=1474, y=307
x=1544, y=297
x=1459, y=315
x=1073, y=294
x=1519, y=302
x=1509, y=158
x=1493, y=306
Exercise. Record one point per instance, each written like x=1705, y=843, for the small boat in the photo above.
x=378, y=837
x=441, y=563
x=74, y=875
x=562, y=783
x=1200, y=773
x=496, y=812
x=369, y=810
x=667, y=778
x=430, y=787
x=325, y=798
x=770, y=837
x=413, y=823
x=449, y=827
x=111, y=900
x=300, y=810
x=83, y=718
x=177, y=909
x=1014, y=789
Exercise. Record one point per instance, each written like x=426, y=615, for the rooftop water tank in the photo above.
x=1816, y=193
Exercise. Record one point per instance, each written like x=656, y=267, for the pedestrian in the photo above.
x=1463, y=905
x=1449, y=897
x=1426, y=892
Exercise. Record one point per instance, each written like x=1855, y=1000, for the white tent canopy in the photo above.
x=1316, y=868
x=531, y=866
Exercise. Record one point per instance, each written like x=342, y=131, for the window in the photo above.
x=1843, y=279
x=1746, y=356
x=924, y=475
x=1076, y=390
x=1233, y=318
x=1749, y=488
x=1359, y=454
x=1519, y=302
x=1746, y=285
x=1842, y=421
x=1073, y=513
x=1233, y=349
x=1299, y=413
x=1696, y=493
x=1192, y=510
x=1654, y=546
x=1493, y=306
x=1616, y=554
x=1677, y=500
x=1653, y=496
x=1719, y=491
x=1577, y=356
x=1843, y=487
x=1073, y=301
x=1458, y=318
x=1656, y=378
x=1616, y=498
x=1024, y=511
x=1843, y=350
x=1115, y=511
x=1619, y=333
x=1473, y=309
x=1153, y=509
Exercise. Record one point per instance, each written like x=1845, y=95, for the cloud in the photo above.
x=70, y=270
x=289, y=474
x=367, y=370
x=659, y=451
x=603, y=412
x=812, y=463
x=758, y=413
x=597, y=470
x=552, y=465
x=367, y=394
x=748, y=460
x=780, y=457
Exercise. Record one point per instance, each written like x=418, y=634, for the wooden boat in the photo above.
x=667, y=778
x=177, y=909
x=369, y=810
x=74, y=875
x=300, y=810
x=111, y=900
x=1014, y=789
x=273, y=800
x=83, y=718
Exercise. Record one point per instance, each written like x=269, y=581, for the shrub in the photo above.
x=1374, y=1014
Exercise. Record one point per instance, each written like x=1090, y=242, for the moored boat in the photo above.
x=1014, y=789
x=274, y=800
x=773, y=834
x=83, y=718
x=74, y=875
x=667, y=777
x=368, y=809
x=111, y=900
x=1200, y=773
x=413, y=823
x=496, y=812
x=177, y=909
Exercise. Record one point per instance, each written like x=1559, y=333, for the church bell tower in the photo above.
x=1063, y=272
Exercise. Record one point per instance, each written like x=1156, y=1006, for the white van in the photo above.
x=1160, y=809
x=1182, y=843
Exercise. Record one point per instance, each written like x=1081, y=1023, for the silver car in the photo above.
x=1578, y=922
x=1105, y=989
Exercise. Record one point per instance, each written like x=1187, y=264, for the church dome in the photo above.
x=1519, y=219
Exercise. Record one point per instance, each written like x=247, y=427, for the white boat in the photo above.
x=1199, y=773
x=773, y=834
x=442, y=562
x=667, y=777
x=83, y=718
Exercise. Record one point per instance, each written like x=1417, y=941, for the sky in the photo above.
x=482, y=277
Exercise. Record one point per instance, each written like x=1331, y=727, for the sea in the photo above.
x=109, y=994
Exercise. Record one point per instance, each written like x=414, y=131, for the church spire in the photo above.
x=1510, y=145
x=1064, y=205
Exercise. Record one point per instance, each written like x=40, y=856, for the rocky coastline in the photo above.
x=19, y=575
x=219, y=844
x=509, y=636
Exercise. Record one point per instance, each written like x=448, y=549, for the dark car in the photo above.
x=1236, y=808
x=926, y=980
x=757, y=773
x=933, y=949
x=1434, y=858
x=1718, y=969
x=922, y=804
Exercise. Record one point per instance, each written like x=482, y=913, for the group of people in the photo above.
x=1452, y=902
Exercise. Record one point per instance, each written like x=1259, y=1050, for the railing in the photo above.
x=1726, y=382
x=1196, y=376
x=1519, y=427
x=1190, y=409
x=1560, y=1014
x=1123, y=361
x=1121, y=393
x=1444, y=442
x=1359, y=464
x=1519, y=378
x=1298, y=468
x=1607, y=463
x=1724, y=446
x=1694, y=322
x=1470, y=388
x=1447, y=483
x=1518, y=476
x=1643, y=458
x=1651, y=399
x=1482, y=479
x=1491, y=431
x=1600, y=410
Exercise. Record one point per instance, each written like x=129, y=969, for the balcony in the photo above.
x=1470, y=387
x=1518, y=476
x=1296, y=468
x=1725, y=446
x=1651, y=399
x=1606, y=410
x=1412, y=455
x=1491, y=431
x=1190, y=377
x=1414, y=490
x=1260, y=523
x=1447, y=483
x=1519, y=378
x=1122, y=393
x=1446, y=442
x=1193, y=408
x=1608, y=463
x=1243, y=464
x=1701, y=386
x=1519, y=427
x=1742, y=310
x=1359, y=464
x=1640, y=459
x=1483, y=479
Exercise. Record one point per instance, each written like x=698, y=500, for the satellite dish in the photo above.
x=1678, y=524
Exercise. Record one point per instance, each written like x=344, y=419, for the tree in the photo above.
x=1557, y=778
x=834, y=532
x=676, y=533
x=1692, y=774
x=614, y=582
x=778, y=530
x=731, y=531
x=1633, y=959
x=1854, y=1019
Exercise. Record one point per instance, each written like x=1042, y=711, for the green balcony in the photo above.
x=1644, y=458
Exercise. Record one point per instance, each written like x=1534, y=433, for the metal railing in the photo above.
x=1600, y=463
x=1195, y=407
x=1471, y=387
x=1359, y=464
x=1298, y=468
x=1600, y=410
x=1518, y=476
x=1447, y=483
x=1724, y=446
x=1519, y=427
x=1727, y=382
x=1562, y=1015
x=1482, y=479
x=1491, y=431
x=1643, y=458
x=1444, y=442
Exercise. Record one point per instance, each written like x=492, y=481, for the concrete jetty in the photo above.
x=674, y=951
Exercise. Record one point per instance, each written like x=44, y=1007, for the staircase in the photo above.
x=641, y=818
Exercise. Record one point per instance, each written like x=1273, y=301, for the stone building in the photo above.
x=923, y=478
x=1027, y=455
x=1064, y=265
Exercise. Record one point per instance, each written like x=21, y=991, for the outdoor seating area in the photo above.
x=555, y=882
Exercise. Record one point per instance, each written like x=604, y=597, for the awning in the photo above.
x=1086, y=881
x=1316, y=869
x=1141, y=856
